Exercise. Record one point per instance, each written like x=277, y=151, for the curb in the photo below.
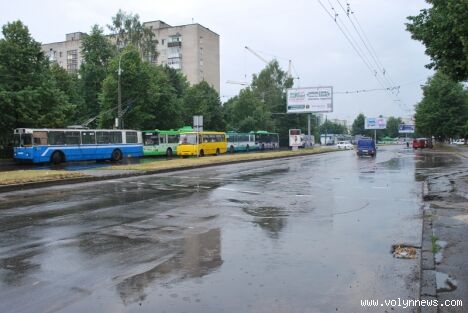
x=428, y=286
x=69, y=181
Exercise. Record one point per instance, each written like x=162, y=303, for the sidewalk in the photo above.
x=445, y=234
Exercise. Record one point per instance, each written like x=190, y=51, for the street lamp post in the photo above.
x=119, y=96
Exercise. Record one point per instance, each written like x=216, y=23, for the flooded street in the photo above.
x=305, y=234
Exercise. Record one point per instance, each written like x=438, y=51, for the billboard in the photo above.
x=375, y=123
x=406, y=129
x=309, y=100
x=295, y=138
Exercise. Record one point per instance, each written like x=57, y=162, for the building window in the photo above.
x=175, y=63
x=72, y=60
x=52, y=54
x=162, y=42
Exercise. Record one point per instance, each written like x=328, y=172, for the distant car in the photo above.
x=344, y=145
x=422, y=143
x=460, y=141
x=366, y=147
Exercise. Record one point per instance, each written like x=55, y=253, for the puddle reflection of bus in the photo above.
x=241, y=142
x=162, y=142
x=266, y=140
x=75, y=144
x=208, y=142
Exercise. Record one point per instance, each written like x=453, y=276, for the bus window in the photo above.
x=17, y=140
x=56, y=138
x=88, y=138
x=72, y=138
x=131, y=137
x=151, y=139
x=172, y=138
x=102, y=137
x=40, y=138
x=188, y=139
x=115, y=137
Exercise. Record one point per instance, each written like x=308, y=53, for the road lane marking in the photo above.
x=182, y=186
x=250, y=192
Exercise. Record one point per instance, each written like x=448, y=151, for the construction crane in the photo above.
x=267, y=62
x=233, y=82
x=257, y=55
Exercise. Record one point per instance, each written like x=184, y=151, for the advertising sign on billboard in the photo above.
x=375, y=123
x=406, y=129
x=310, y=100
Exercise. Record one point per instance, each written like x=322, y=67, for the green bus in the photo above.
x=162, y=142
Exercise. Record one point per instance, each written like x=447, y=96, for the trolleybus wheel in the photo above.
x=169, y=153
x=116, y=155
x=57, y=157
x=231, y=149
x=217, y=151
x=202, y=153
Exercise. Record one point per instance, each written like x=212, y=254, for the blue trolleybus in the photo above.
x=61, y=145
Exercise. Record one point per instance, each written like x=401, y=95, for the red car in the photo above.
x=421, y=143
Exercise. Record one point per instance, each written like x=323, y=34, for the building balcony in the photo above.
x=174, y=44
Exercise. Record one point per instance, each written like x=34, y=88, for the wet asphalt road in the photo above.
x=308, y=234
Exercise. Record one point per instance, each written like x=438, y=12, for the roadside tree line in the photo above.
x=442, y=28
x=35, y=92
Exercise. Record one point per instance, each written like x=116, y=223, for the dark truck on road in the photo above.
x=366, y=147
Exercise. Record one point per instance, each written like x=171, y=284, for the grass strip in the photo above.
x=225, y=158
x=32, y=176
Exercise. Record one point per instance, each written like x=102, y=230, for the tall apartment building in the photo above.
x=192, y=49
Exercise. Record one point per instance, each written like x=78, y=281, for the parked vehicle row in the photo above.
x=74, y=144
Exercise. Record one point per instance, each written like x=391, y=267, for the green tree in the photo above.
x=97, y=52
x=358, y=125
x=245, y=113
x=329, y=127
x=148, y=97
x=29, y=95
x=270, y=87
x=443, y=111
x=127, y=30
x=443, y=29
x=202, y=99
x=393, y=124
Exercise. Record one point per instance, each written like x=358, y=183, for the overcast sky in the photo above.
x=297, y=30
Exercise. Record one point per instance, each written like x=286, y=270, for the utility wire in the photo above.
x=372, y=53
x=354, y=45
x=351, y=43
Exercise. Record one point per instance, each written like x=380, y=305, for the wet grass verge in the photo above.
x=32, y=176
x=179, y=163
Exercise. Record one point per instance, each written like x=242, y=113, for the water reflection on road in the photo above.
x=307, y=234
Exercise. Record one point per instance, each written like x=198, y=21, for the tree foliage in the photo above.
x=97, y=52
x=148, y=94
x=246, y=112
x=127, y=30
x=443, y=111
x=393, y=125
x=29, y=92
x=202, y=99
x=329, y=127
x=358, y=126
x=443, y=29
